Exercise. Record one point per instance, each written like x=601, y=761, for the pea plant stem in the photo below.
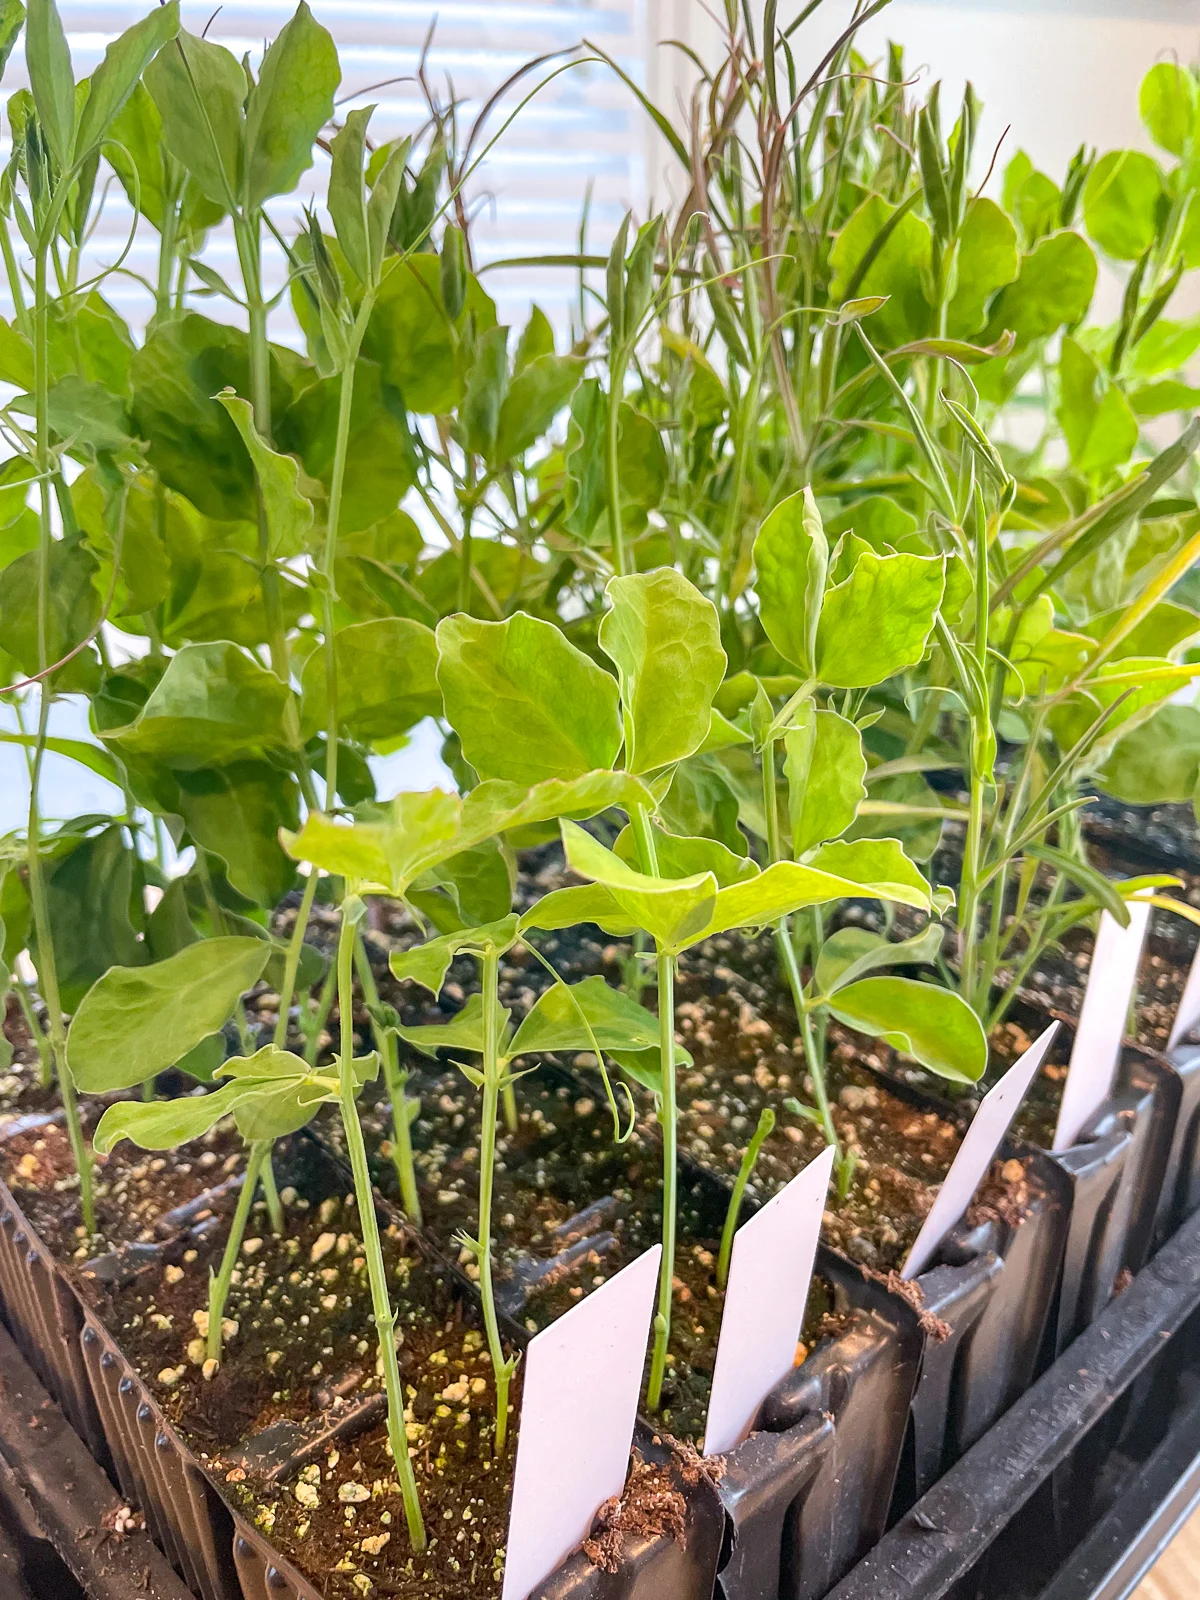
x=668, y=1120
x=47, y=965
x=219, y=1282
x=612, y=460
x=396, y=1081
x=381, y=1302
x=270, y=1191
x=814, y=1056
x=492, y=1069
x=291, y=964
x=766, y=1126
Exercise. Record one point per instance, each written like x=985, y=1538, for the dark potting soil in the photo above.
x=132, y=1188
x=571, y=1208
x=303, y=1352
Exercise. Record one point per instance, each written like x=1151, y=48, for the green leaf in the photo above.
x=1157, y=399
x=136, y=1022
x=878, y=621
x=850, y=953
x=462, y=1032
x=380, y=464
x=879, y=867
x=12, y=19
x=791, y=556
x=664, y=639
x=289, y=515
x=412, y=833
x=932, y=1025
x=73, y=610
x=540, y=390
x=701, y=803
x=669, y=909
x=277, y=1093
x=825, y=768
x=987, y=261
x=496, y=807
x=1100, y=429
x=896, y=256
x=487, y=381
x=525, y=703
x=215, y=704
x=235, y=813
x=428, y=963
x=92, y=756
x=1159, y=762
x=567, y=908
x=113, y=81
x=194, y=443
x=49, y=62
x=413, y=338
x=618, y=1024
x=1120, y=203
x=1053, y=290
x=1169, y=102
x=203, y=1060
x=89, y=899
x=200, y=90
x=473, y=887
x=680, y=857
x=386, y=680
x=163, y=1124
x=347, y=198
x=169, y=927
x=288, y=106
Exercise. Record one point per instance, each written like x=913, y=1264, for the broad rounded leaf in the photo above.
x=932, y=1025
x=1158, y=762
x=526, y=703
x=825, y=768
x=1120, y=203
x=384, y=854
x=617, y=1023
x=464, y=1031
x=1053, y=290
x=850, y=953
x=671, y=910
x=386, y=679
x=987, y=261
x=136, y=1022
x=878, y=621
x=682, y=857
x=1169, y=102
x=664, y=639
x=214, y=704
x=879, y=867
x=199, y=89
x=496, y=807
x=289, y=105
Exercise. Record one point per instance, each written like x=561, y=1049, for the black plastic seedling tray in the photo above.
x=945, y=1539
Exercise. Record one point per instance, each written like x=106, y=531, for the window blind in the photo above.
x=581, y=132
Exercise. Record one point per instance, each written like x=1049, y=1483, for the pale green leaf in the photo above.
x=136, y=1022
x=934, y=1026
x=289, y=515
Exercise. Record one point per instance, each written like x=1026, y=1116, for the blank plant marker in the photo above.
x=582, y=1376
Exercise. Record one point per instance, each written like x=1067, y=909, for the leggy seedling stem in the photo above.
x=493, y=1067
x=668, y=1121
x=356, y=1149
x=766, y=1127
x=396, y=1082
x=219, y=1282
x=47, y=965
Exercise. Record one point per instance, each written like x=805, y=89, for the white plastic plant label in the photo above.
x=769, y=1274
x=1188, y=1014
x=582, y=1376
x=977, y=1152
x=1101, y=1027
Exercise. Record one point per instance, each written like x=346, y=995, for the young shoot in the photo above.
x=766, y=1127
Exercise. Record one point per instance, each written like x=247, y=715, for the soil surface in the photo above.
x=299, y=1367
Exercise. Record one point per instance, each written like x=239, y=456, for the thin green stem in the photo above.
x=668, y=1121
x=219, y=1282
x=766, y=1126
x=270, y=1191
x=291, y=964
x=47, y=964
x=316, y=1022
x=396, y=1081
x=492, y=1069
x=372, y=1246
x=37, y=1033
